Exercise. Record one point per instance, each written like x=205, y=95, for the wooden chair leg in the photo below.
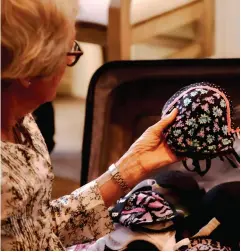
x=205, y=28
x=119, y=31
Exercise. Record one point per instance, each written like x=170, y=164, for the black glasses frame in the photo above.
x=77, y=53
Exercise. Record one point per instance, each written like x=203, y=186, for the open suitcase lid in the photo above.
x=126, y=97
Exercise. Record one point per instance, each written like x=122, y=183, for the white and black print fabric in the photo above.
x=203, y=127
x=30, y=220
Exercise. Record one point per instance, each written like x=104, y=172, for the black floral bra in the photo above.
x=203, y=128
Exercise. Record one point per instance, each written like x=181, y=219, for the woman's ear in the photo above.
x=25, y=82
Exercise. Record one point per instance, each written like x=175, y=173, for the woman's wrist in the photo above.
x=130, y=170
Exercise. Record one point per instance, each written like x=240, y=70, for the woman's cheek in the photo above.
x=57, y=78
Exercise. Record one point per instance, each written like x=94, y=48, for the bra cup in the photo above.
x=203, y=127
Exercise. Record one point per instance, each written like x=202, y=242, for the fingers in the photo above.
x=164, y=122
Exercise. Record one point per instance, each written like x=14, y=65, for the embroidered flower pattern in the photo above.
x=205, y=107
x=190, y=121
x=187, y=101
x=180, y=139
x=225, y=129
x=217, y=111
x=223, y=103
x=194, y=93
x=204, y=118
x=179, y=118
x=226, y=141
x=201, y=133
x=210, y=138
x=195, y=143
x=212, y=147
x=177, y=132
x=216, y=128
x=209, y=99
x=201, y=125
x=203, y=91
x=180, y=124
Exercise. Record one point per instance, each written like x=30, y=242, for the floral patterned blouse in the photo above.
x=29, y=219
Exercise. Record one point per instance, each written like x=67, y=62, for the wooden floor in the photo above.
x=66, y=157
x=63, y=187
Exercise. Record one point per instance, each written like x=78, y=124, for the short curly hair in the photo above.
x=36, y=36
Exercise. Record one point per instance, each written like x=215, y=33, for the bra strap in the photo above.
x=186, y=166
x=231, y=161
x=236, y=155
x=197, y=167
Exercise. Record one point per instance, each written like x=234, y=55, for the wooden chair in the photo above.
x=117, y=24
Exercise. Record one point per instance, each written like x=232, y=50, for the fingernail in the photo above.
x=173, y=111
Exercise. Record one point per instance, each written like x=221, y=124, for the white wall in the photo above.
x=227, y=37
x=76, y=79
x=227, y=44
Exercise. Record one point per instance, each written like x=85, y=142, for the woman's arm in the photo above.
x=83, y=216
x=146, y=155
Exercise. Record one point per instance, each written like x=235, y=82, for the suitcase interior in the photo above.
x=124, y=98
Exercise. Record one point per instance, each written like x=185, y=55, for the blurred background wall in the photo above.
x=227, y=44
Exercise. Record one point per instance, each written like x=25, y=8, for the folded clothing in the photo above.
x=207, y=228
x=122, y=238
x=145, y=206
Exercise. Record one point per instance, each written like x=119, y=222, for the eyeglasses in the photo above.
x=74, y=54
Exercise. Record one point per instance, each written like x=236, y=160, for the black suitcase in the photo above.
x=126, y=97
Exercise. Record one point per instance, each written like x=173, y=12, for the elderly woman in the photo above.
x=38, y=42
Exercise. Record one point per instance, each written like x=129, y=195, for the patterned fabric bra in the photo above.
x=203, y=244
x=203, y=128
x=144, y=215
x=144, y=208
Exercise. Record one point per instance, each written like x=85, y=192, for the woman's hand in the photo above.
x=147, y=154
x=150, y=151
